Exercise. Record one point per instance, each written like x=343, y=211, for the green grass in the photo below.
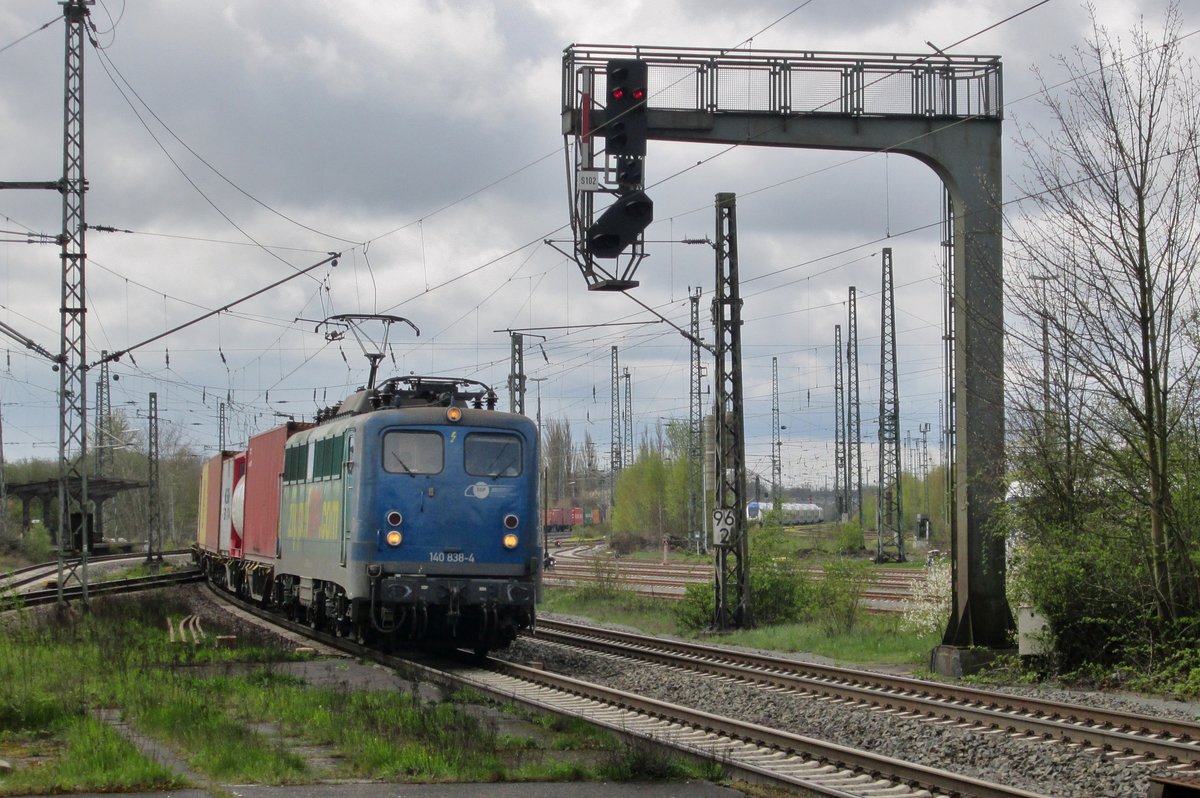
x=239, y=723
x=876, y=639
x=85, y=754
x=625, y=607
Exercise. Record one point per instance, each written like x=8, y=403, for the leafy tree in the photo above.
x=1108, y=259
x=640, y=512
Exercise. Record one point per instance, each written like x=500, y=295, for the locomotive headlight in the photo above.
x=394, y=537
x=510, y=541
x=394, y=518
x=454, y=414
x=511, y=521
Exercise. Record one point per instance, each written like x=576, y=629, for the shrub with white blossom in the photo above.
x=927, y=609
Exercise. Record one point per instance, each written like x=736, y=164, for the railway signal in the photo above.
x=625, y=127
x=620, y=225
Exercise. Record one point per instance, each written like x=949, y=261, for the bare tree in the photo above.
x=557, y=459
x=1110, y=252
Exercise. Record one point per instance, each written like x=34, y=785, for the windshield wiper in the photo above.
x=400, y=460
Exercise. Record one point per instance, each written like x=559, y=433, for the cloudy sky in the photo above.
x=234, y=143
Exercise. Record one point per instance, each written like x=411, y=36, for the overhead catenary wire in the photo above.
x=429, y=289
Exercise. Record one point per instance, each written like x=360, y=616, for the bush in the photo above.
x=927, y=609
x=695, y=611
x=848, y=539
x=838, y=597
x=37, y=545
x=779, y=592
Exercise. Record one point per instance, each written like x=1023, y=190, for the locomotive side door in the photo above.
x=347, y=492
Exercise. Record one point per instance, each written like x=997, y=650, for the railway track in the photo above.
x=1153, y=740
x=23, y=577
x=1062, y=749
x=34, y=598
x=887, y=593
x=746, y=750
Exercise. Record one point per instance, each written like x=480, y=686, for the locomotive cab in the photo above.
x=410, y=514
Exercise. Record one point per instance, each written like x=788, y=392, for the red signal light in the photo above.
x=618, y=93
x=639, y=94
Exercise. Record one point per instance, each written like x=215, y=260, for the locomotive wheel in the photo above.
x=341, y=620
x=316, y=612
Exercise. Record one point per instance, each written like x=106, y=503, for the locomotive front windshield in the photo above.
x=489, y=454
x=413, y=452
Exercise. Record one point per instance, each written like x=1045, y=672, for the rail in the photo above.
x=35, y=598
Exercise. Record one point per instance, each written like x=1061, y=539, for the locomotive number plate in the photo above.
x=451, y=557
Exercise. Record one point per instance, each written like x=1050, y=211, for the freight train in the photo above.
x=406, y=514
x=562, y=521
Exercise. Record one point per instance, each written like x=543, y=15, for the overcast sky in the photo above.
x=240, y=141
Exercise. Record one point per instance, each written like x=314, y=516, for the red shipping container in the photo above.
x=576, y=515
x=264, y=475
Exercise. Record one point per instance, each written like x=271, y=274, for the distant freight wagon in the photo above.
x=564, y=520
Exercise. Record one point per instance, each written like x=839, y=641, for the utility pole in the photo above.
x=889, y=521
x=154, y=545
x=839, y=428
x=730, y=534
x=925, y=427
x=628, y=418
x=696, y=500
x=221, y=427
x=615, y=457
x=542, y=492
x=104, y=450
x=516, y=374
x=776, y=443
x=854, y=464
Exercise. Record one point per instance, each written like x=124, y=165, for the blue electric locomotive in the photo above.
x=406, y=513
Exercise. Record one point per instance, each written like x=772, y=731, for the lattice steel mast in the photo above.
x=154, y=545
x=889, y=515
x=615, y=458
x=628, y=419
x=516, y=374
x=732, y=605
x=854, y=464
x=102, y=457
x=839, y=427
x=102, y=451
x=696, y=432
x=72, y=393
x=776, y=443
